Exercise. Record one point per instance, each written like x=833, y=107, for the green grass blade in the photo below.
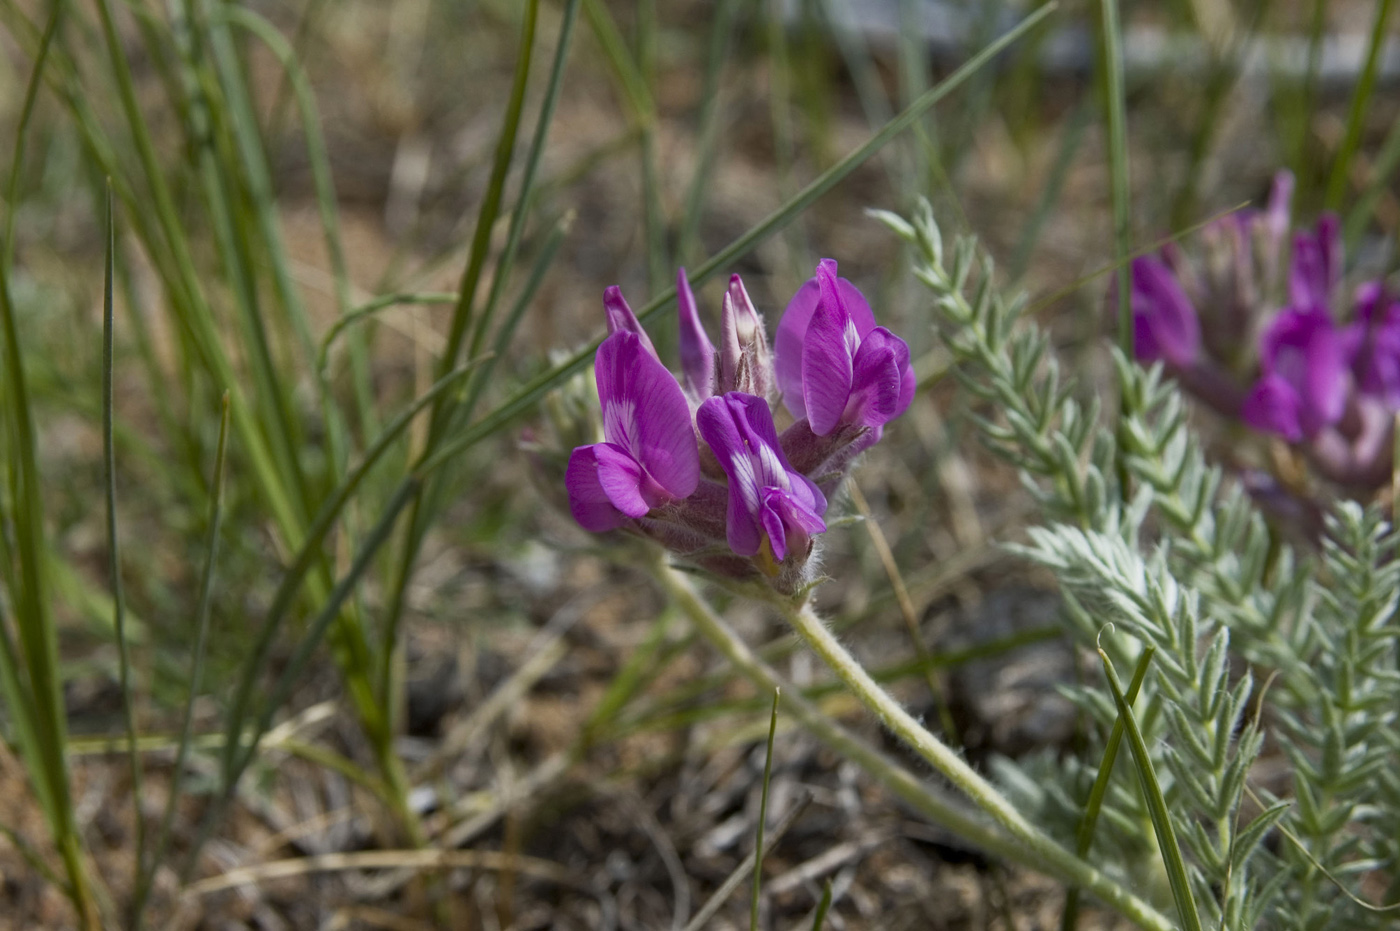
x=1360, y=103
x=653, y=216
x=506, y=333
x=114, y=563
x=505, y=264
x=369, y=309
x=625, y=69
x=316, y=632
x=1156, y=805
x=1070, y=142
x=491, y=203
x=26, y=112
x=529, y=394
x=206, y=588
x=35, y=661
x=1084, y=837
x=707, y=137
x=824, y=906
x=1382, y=170
x=763, y=815
x=1115, y=110
x=309, y=553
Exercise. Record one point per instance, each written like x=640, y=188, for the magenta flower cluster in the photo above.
x=1326, y=372
x=702, y=469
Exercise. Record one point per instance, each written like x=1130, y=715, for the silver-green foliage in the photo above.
x=1253, y=644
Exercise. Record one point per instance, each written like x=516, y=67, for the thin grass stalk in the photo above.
x=309, y=552
x=326, y=203
x=1115, y=117
x=1382, y=170
x=491, y=204
x=780, y=115
x=247, y=137
x=147, y=870
x=231, y=765
x=462, y=315
x=443, y=418
x=528, y=394
x=33, y=680
x=707, y=140
x=525, y=197
x=114, y=562
x=26, y=112
x=1027, y=846
x=1084, y=837
x=625, y=69
x=182, y=278
x=1337, y=180
x=506, y=333
x=763, y=815
x=653, y=217
x=1156, y=804
x=1072, y=137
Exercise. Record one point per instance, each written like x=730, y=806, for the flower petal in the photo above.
x=697, y=352
x=645, y=413
x=792, y=331
x=1317, y=265
x=588, y=502
x=716, y=422
x=622, y=320
x=1274, y=406
x=878, y=382
x=1164, y=322
x=625, y=482
x=827, y=353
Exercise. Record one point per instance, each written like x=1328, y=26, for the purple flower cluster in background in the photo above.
x=702, y=469
x=1326, y=372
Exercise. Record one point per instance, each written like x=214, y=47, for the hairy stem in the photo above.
x=1021, y=843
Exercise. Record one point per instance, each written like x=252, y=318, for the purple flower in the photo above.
x=1317, y=265
x=1164, y=322
x=1304, y=359
x=622, y=320
x=745, y=364
x=1377, y=336
x=649, y=457
x=697, y=353
x=772, y=509
x=835, y=367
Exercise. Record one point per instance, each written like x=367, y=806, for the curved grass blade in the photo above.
x=1156, y=805
x=368, y=309
x=1084, y=837
x=529, y=393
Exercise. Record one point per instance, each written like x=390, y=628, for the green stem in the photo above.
x=1025, y=845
